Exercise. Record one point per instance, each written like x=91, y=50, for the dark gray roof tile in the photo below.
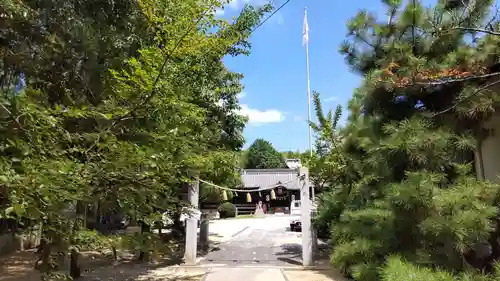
x=262, y=178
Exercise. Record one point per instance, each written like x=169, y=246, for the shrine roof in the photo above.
x=261, y=178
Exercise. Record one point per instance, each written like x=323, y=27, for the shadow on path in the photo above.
x=140, y=272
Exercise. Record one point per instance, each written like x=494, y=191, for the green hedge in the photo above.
x=227, y=210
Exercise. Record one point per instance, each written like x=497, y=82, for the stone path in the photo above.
x=244, y=274
x=258, y=246
x=264, y=250
x=265, y=241
x=224, y=230
x=248, y=273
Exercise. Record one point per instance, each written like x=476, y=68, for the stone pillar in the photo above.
x=314, y=234
x=204, y=242
x=192, y=225
x=307, y=245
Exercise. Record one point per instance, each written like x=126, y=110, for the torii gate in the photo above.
x=308, y=236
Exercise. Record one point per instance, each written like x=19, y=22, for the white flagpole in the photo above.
x=305, y=41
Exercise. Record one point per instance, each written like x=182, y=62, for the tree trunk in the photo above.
x=115, y=254
x=178, y=228
x=144, y=255
x=43, y=262
x=495, y=248
x=75, y=269
x=62, y=251
x=160, y=228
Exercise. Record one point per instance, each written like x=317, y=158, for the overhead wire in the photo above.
x=169, y=54
x=164, y=63
x=272, y=186
x=270, y=16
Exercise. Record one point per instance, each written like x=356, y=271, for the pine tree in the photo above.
x=409, y=141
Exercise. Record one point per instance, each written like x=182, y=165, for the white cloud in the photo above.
x=235, y=4
x=255, y=116
x=238, y=4
x=259, y=117
x=330, y=99
x=242, y=95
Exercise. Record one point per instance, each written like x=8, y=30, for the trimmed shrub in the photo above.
x=227, y=210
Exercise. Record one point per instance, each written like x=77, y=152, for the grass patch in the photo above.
x=242, y=217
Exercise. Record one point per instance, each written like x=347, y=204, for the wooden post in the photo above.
x=307, y=245
x=192, y=225
x=204, y=232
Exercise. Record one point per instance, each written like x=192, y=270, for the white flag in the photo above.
x=305, y=30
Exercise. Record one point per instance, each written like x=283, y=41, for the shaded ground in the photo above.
x=132, y=272
x=18, y=266
x=97, y=266
x=264, y=244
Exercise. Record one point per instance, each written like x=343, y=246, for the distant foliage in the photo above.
x=262, y=155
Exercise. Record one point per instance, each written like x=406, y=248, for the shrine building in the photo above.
x=276, y=200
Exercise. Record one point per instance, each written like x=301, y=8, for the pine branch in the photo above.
x=16, y=120
x=337, y=116
x=478, y=91
x=362, y=38
x=493, y=18
x=466, y=8
x=482, y=30
x=468, y=13
x=455, y=80
x=319, y=109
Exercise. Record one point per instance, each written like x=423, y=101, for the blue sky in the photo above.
x=275, y=95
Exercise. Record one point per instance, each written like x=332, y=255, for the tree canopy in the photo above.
x=262, y=155
x=109, y=106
